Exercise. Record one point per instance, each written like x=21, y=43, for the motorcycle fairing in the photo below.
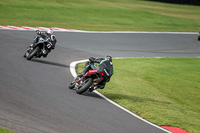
x=90, y=72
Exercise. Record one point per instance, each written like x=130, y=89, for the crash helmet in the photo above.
x=50, y=31
x=108, y=57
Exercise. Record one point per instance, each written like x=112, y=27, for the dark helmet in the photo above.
x=108, y=57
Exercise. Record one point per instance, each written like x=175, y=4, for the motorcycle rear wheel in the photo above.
x=34, y=52
x=84, y=88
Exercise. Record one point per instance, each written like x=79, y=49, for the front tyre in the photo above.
x=199, y=37
x=85, y=86
x=72, y=85
x=32, y=53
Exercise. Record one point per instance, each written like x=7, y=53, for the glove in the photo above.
x=38, y=32
x=91, y=59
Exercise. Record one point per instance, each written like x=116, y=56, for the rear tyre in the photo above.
x=34, y=52
x=84, y=88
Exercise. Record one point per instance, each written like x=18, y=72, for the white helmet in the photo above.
x=50, y=31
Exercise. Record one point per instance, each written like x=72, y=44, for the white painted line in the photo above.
x=74, y=74
x=73, y=67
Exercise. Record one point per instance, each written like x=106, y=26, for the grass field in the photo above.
x=101, y=15
x=165, y=91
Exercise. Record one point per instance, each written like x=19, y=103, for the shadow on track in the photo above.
x=88, y=94
x=50, y=63
x=92, y=94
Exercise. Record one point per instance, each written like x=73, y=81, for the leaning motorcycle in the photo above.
x=87, y=81
x=40, y=48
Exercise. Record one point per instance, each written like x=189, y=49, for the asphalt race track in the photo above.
x=34, y=95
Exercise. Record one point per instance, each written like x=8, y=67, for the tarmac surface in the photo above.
x=34, y=95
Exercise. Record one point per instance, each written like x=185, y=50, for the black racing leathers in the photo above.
x=49, y=38
x=46, y=36
x=104, y=65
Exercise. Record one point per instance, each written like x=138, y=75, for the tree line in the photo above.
x=187, y=2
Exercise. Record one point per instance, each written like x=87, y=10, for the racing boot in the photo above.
x=85, y=70
x=80, y=74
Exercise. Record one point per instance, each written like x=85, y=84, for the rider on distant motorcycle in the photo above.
x=48, y=36
x=104, y=63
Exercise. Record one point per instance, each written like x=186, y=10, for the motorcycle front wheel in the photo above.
x=32, y=53
x=85, y=86
x=72, y=85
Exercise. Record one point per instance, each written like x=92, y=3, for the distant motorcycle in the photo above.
x=87, y=81
x=40, y=48
x=199, y=36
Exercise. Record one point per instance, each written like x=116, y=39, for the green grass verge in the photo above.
x=2, y=130
x=165, y=91
x=101, y=15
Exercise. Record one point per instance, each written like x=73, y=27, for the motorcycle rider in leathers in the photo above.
x=48, y=36
x=104, y=63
